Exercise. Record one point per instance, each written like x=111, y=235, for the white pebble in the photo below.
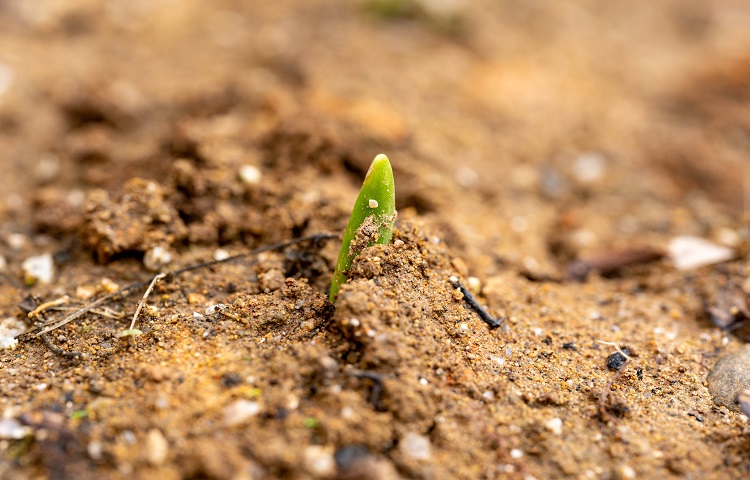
x=688, y=253
x=488, y=395
x=16, y=241
x=423, y=381
x=416, y=446
x=498, y=360
x=516, y=454
x=157, y=447
x=11, y=429
x=589, y=167
x=319, y=461
x=161, y=402
x=213, y=309
x=39, y=269
x=156, y=258
x=10, y=328
x=626, y=471
x=250, y=174
x=95, y=450
x=220, y=254
x=474, y=284
x=372, y=203
x=128, y=437
x=464, y=327
x=555, y=426
x=240, y=411
x=197, y=316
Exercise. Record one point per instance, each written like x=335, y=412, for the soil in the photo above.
x=525, y=137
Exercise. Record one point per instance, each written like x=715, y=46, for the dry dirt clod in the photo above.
x=137, y=220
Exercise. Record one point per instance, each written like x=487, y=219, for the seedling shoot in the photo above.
x=371, y=221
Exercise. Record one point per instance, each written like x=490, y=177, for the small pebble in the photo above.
x=730, y=376
x=95, y=450
x=689, y=253
x=250, y=174
x=128, y=437
x=348, y=455
x=416, y=446
x=743, y=398
x=10, y=328
x=555, y=426
x=240, y=411
x=617, y=360
x=214, y=309
x=109, y=286
x=39, y=269
x=16, y=241
x=220, y=254
x=626, y=471
x=516, y=454
x=11, y=429
x=474, y=285
x=372, y=203
x=589, y=167
x=156, y=258
x=319, y=461
x=85, y=292
x=157, y=447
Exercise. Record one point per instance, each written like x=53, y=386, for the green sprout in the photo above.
x=372, y=218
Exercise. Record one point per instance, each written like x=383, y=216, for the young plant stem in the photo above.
x=371, y=221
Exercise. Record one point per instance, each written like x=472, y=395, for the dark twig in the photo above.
x=377, y=387
x=491, y=321
x=129, y=289
x=57, y=350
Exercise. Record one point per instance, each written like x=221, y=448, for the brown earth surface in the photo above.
x=523, y=136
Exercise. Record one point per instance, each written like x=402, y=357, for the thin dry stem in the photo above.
x=144, y=299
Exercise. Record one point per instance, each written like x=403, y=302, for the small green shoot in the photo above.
x=372, y=218
x=132, y=332
x=311, y=422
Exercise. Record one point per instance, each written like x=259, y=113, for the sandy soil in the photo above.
x=524, y=136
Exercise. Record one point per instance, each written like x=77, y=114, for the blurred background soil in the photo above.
x=545, y=153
